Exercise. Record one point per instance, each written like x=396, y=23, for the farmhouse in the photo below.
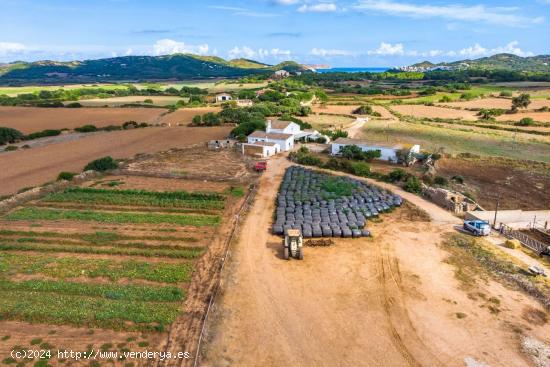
x=223, y=97
x=282, y=127
x=261, y=149
x=280, y=74
x=285, y=141
x=388, y=152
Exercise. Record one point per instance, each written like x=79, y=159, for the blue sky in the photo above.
x=336, y=32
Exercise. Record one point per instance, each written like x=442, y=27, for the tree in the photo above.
x=9, y=135
x=521, y=101
x=363, y=110
x=413, y=185
x=197, y=120
x=101, y=164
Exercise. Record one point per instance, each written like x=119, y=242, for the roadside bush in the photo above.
x=397, y=175
x=10, y=148
x=413, y=185
x=101, y=164
x=445, y=99
x=458, y=179
x=9, y=135
x=197, y=120
x=360, y=169
x=526, y=121
x=130, y=125
x=67, y=176
x=86, y=129
x=148, y=101
x=441, y=181
x=506, y=93
x=363, y=110
x=73, y=105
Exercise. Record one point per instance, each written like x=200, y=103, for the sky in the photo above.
x=340, y=33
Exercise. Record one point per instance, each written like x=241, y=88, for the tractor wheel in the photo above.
x=286, y=254
x=300, y=254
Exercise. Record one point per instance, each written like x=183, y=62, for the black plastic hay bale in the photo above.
x=365, y=233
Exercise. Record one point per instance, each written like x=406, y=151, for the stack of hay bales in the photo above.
x=513, y=244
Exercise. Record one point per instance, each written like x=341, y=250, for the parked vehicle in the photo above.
x=292, y=244
x=477, y=227
x=260, y=166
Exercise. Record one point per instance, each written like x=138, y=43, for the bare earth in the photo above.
x=363, y=302
x=504, y=103
x=537, y=116
x=32, y=167
x=433, y=112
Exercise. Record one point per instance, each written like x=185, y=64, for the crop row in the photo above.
x=96, y=237
x=142, y=194
x=190, y=253
x=70, y=267
x=205, y=209
x=34, y=213
x=108, y=291
x=85, y=311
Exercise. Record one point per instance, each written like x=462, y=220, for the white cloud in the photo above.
x=473, y=51
x=476, y=13
x=387, y=49
x=7, y=48
x=168, y=46
x=318, y=8
x=329, y=52
x=478, y=51
x=262, y=53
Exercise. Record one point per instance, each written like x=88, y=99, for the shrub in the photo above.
x=148, y=101
x=439, y=180
x=9, y=135
x=11, y=148
x=445, y=99
x=73, y=105
x=506, y=93
x=67, y=176
x=197, y=120
x=526, y=121
x=360, y=169
x=130, y=125
x=363, y=110
x=397, y=175
x=413, y=185
x=101, y=164
x=42, y=134
x=86, y=129
x=458, y=179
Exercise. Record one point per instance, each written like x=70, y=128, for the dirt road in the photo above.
x=363, y=302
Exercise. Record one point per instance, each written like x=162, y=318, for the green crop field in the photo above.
x=34, y=213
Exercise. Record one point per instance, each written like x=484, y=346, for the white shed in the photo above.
x=282, y=127
x=261, y=149
x=223, y=97
x=285, y=141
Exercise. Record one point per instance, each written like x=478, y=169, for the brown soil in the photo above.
x=33, y=167
x=503, y=103
x=520, y=186
x=185, y=115
x=537, y=116
x=422, y=111
x=369, y=302
x=31, y=119
x=160, y=184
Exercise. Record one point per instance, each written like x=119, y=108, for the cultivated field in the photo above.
x=422, y=111
x=329, y=121
x=120, y=101
x=122, y=263
x=32, y=167
x=537, y=116
x=502, y=103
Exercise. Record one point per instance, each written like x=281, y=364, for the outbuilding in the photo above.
x=261, y=149
x=282, y=127
x=223, y=97
x=387, y=152
x=285, y=141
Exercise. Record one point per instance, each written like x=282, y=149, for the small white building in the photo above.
x=262, y=149
x=280, y=74
x=282, y=127
x=223, y=97
x=311, y=135
x=285, y=141
x=387, y=152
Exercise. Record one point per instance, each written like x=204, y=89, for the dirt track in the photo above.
x=368, y=302
x=25, y=168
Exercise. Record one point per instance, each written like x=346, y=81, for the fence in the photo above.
x=525, y=240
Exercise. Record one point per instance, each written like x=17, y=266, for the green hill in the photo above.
x=540, y=63
x=136, y=68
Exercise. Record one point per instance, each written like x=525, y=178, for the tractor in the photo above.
x=292, y=244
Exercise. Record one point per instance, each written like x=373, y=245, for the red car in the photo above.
x=260, y=166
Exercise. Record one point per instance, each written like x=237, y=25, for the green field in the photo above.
x=455, y=141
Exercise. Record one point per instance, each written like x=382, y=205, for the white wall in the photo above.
x=292, y=128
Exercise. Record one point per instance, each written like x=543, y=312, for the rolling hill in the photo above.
x=136, y=68
x=540, y=63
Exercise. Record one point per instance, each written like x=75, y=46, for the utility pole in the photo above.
x=496, y=212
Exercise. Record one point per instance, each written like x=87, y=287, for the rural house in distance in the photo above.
x=387, y=152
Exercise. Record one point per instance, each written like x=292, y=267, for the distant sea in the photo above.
x=353, y=70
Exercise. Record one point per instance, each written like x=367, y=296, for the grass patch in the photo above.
x=69, y=267
x=34, y=213
x=176, y=199
x=85, y=311
x=96, y=237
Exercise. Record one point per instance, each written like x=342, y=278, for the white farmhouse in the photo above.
x=285, y=141
x=387, y=152
x=282, y=127
x=223, y=97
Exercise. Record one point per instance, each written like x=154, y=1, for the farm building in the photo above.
x=280, y=74
x=388, y=152
x=285, y=141
x=245, y=102
x=282, y=127
x=223, y=97
x=261, y=149
x=310, y=135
